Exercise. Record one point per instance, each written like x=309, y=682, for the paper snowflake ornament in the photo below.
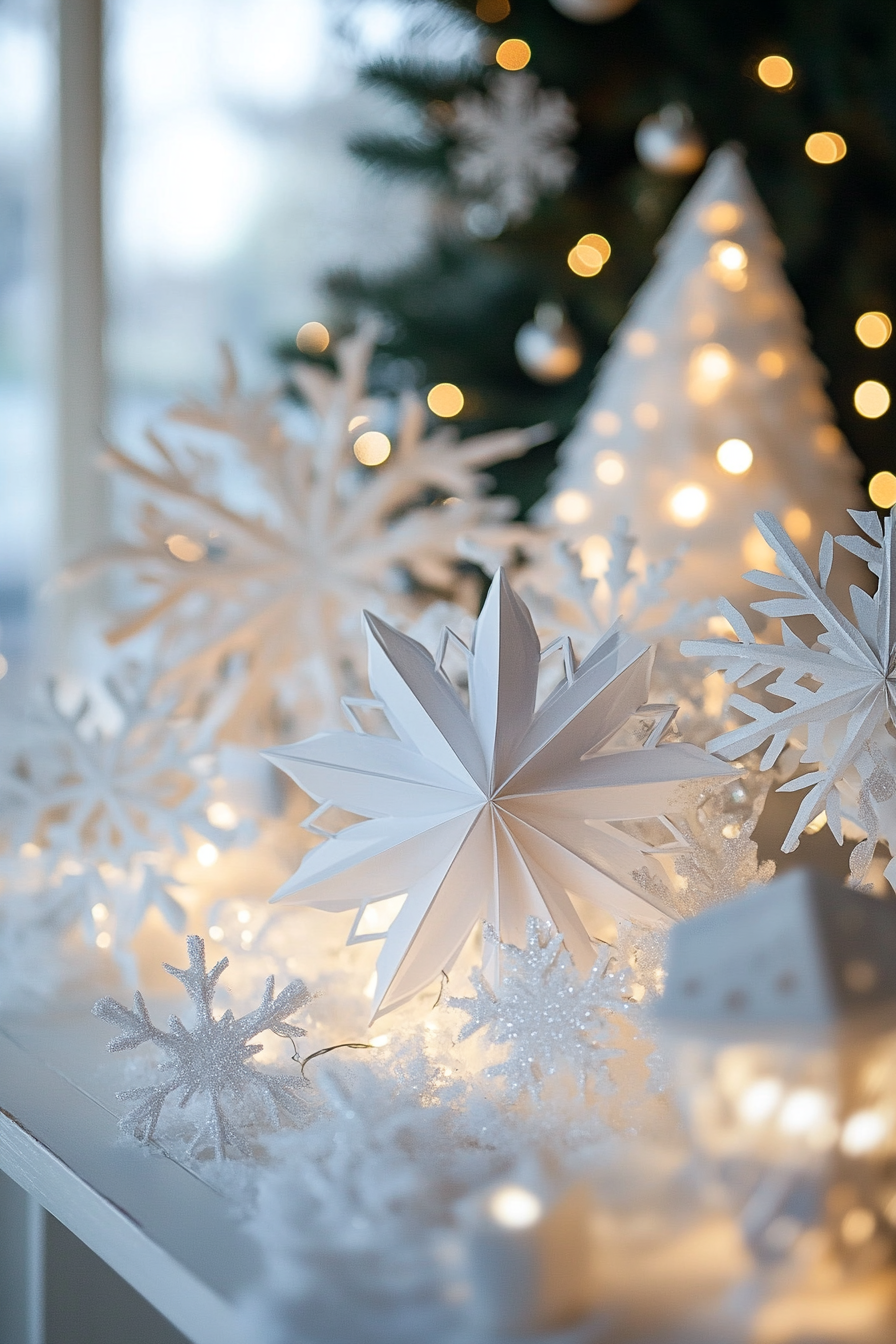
x=496, y=810
x=549, y=1017
x=260, y=545
x=212, y=1059
x=107, y=804
x=840, y=691
x=512, y=144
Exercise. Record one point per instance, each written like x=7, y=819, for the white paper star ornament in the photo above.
x=497, y=811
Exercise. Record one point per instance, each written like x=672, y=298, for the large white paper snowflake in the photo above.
x=512, y=143
x=107, y=805
x=840, y=690
x=550, y=1018
x=497, y=810
x=260, y=544
x=213, y=1058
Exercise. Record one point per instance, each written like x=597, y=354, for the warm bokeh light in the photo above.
x=721, y=217
x=710, y=368
x=598, y=242
x=594, y=554
x=357, y=421
x=572, y=506
x=445, y=400
x=771, y=363
x=640, y=342
x=609, y=469
x=882, y=489
x=730, y=256
x=585, y=261
x=207, y=854
x=514, y=1206
x=688, y=505
x=797, y=524
x=104, y=940
x=312, y=338
x=871, y=399
x=222, y=815
x=606, y=423
x=776, y=72
x=646, y=415
x=216, y=933
x=99, y=912
x=372, y=449
x=826, y=147
x=492, y=11
x=756, y=551
x=734, y=456
x=874, y=329
x=514, y=54
x=184, y=548
x=827, y=439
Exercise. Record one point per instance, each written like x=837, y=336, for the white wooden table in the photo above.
x=170, y=1236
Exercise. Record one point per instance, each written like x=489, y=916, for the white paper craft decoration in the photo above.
x=499, y=810
x=712, y=352
x=844, y=716
x=258, y=544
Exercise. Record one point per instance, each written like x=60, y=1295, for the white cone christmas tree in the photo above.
x=709, y=404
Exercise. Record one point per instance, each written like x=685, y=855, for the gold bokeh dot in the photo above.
x=185, y=548
x=445, y=400
x=572, y=506
x=312, y=338
x=598, y=242
x=882, y=489
x=585, y=261
x=874, y=329
x=492, y=11
x=771, y=363
x=721, y=217
x=776, y=72
x=798, y=524
x=372, y=449
x=872, y=399
x=513, y=54
x=825, y=147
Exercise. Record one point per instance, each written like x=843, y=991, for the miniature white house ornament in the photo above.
x=500, y=809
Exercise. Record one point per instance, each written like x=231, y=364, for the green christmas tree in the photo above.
x=647, y=89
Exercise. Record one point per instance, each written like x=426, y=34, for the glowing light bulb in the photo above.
x=776, y=72
x=572, y=506
x=445, y=400
x=882, y=489
x=874, y=329
x=185, y=548
x=825, y=147
x=312, y=338
x=609, y=469
x=734, y=456
x=513, y=54
x=372, y=448
x=99, y=912
x=640, y=342
x=798, y=523
x=222, y=815
x=514, y=1206
x=207, y=854
x=688, y=505
x=872, y=399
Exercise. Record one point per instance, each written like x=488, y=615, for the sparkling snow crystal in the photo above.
x=212, y=1059
x=259, y=545
x=512, y=143
x=549, y=1017
x=840, y=690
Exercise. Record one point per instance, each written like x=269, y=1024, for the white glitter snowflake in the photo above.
x=261, y=545
x=497, y=809
x=212, y=1059
x=840, y=690
x=551, y=1019
x=512, y=143
x=108, y=803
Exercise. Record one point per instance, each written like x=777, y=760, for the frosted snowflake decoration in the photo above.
x=840, y=691
x=212, y=1059
x=107, y=803
x=550, y=1018
x=495, y=809
x=512, y=143
x=261, y=545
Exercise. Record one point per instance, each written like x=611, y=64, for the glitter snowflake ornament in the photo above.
x=550, y=1018
x=512, y=144
x=259, y=545
x=213, y=1059
x=840, y=690
x=499, y=809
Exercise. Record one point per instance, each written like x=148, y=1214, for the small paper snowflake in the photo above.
x=212, y=1059
x=260, y=536
x=841, y=691
x=107, y=805
x=551, y=1019
x=512, y=143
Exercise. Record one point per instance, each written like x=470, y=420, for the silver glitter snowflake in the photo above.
x=551, y=1019
x=512, y=143
x=212, y=1059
